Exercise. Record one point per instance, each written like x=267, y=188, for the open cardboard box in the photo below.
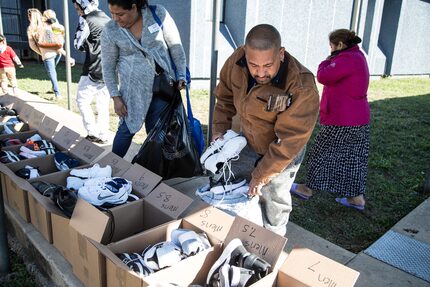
x=162, y=205
x=182, y=273
x=46, y=216
x=306, y=268
x=16, y=187
x=194, y=269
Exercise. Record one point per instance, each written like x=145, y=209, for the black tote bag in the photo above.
x=169, y=150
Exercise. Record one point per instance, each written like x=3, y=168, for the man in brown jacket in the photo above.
x=277, y=102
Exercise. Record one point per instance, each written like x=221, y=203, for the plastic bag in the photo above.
x=169, y=150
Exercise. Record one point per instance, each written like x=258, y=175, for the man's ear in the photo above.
x=282, y=54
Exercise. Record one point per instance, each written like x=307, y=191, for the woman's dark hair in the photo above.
x=127, y=4
x=345, y=36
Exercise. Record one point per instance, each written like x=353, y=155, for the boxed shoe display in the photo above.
x=16, y=187
x=252, y=248
x=181, y=272
x=162, y=205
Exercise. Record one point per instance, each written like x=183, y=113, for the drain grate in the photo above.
x=403, y=252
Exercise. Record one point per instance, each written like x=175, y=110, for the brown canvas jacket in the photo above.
x=278, y=136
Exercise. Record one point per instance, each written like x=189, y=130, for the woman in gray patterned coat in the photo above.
x=134, y=48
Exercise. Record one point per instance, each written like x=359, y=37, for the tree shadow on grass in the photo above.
x=398, y=163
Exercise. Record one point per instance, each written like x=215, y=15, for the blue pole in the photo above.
x=4, y=250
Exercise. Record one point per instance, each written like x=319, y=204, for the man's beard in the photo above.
x=263, y=80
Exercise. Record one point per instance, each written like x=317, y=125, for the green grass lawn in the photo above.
x=398, y=163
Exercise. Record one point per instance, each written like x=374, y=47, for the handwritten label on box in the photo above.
x=86, y=150
x=48, y=126
x=118, y=164
x=169, y=200
x=213, y=221
x=65, y=137
x=144, y=180
x=256, y=239
x=314, y=269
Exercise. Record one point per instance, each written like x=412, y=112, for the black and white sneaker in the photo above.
x=28, y=172
x=65, y=162
x=8, y=156
x=236, y=267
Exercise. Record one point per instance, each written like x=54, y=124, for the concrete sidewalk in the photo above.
x=372, y=271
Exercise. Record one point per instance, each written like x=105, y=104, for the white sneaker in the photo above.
x=75, y=182
x=107, y=190
x=230, y=186
x=230, y=150
x=93, y=172
x=217, y=145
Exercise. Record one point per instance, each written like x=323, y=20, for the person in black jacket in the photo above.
x=87, y=39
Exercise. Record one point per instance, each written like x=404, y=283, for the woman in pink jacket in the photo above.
x=338, y=160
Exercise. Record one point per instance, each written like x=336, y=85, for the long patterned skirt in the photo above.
x=338, y=160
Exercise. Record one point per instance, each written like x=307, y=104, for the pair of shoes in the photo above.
x=237, y=267
x=110, y=191
x=95, y=139
x=9, y=156
x=189, y=241
x=4, y=111
x=217, y=145
x=161, y=255
x=64, y=162
x=230, y=150
x=28, y=172
x=232, y=186
x=134, y=261
x=294, y=191
x=344, y=201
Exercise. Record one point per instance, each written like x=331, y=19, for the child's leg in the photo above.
x=3, y=81
x=11, y=76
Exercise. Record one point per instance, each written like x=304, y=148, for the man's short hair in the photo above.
x=263, y=37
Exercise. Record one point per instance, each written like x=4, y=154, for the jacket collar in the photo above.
x=278, y=81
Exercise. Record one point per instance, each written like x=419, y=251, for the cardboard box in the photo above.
x=305, y=267
x=183, y=273
x=17, y=197
x=16, y=187
x=123, y=221
x=192, y=270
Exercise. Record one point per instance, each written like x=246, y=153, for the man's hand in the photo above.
x=216, y=136
x=21, y=66
x=254, y=188
x=119, y=107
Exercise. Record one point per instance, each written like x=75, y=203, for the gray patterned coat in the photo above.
x=128, y=66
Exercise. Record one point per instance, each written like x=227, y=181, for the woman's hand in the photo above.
x=119, y=107
x=181, y=84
